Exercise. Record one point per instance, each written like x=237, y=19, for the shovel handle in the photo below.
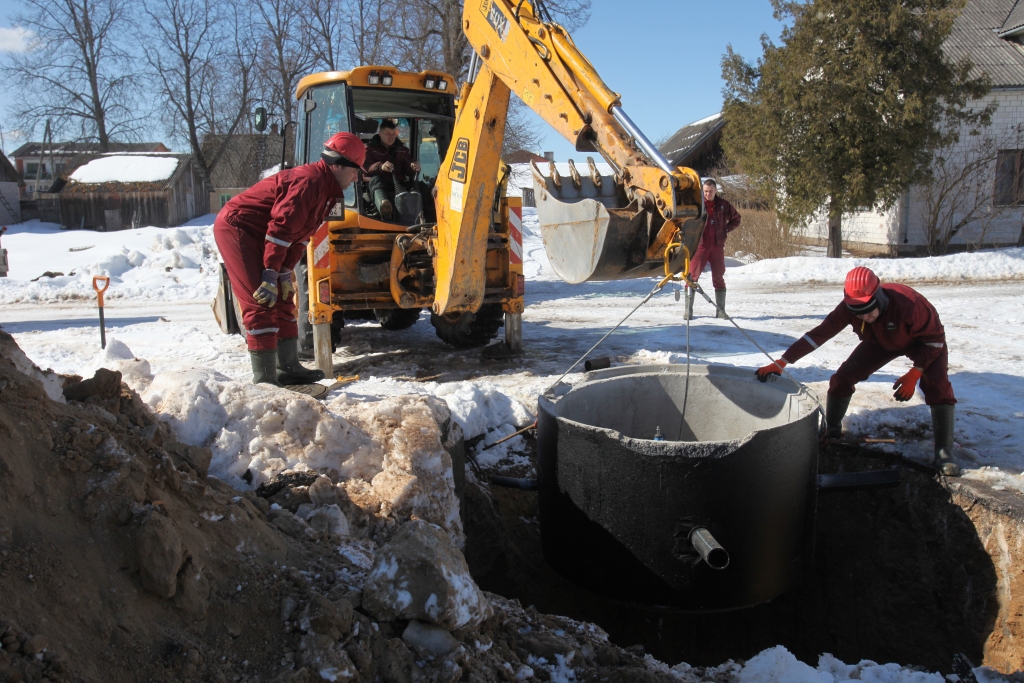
x=96, y=280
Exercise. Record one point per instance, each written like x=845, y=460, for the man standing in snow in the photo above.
x=387, y=160
x=262, y=233
x=721, y=219
x=891, y=321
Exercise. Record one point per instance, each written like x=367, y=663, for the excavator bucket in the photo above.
x=592, y=232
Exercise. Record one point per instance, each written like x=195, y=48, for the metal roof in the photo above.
x=66, y=149
x=1015, y=22
x=691, y=138
x=975, y=36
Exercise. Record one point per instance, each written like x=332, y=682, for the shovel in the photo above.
x=96, y=280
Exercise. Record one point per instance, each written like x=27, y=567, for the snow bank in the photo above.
x=148, y=263
x=1001, y=264
x=126, y=168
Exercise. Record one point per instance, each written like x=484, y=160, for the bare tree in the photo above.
x=77, y=74
x=286, y=48
x=959, y=193
x=520, y=131
x=367, y=39
x=203, y=69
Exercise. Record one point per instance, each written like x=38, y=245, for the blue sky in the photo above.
x=662, y=56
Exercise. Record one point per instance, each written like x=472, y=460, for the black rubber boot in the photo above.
x=264, y=367
x=720, y=302
x=835, y=411
x=289, y=369
x=943, y=418
x=691, y=293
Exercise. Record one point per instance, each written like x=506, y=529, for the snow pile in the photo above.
x=778, y=664
x=135, y=372
x=255, y=432
x=149, y=263
x=126, y=168
x=1001, y=264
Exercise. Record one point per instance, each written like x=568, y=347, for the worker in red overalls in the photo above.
x=891, y=321
x=262, y=233
x=721, y=219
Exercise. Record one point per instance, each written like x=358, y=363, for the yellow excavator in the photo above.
x=458, y=249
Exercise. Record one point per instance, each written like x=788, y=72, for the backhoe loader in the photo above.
x=461, y=255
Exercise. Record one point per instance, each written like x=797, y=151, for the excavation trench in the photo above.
x=911, y=574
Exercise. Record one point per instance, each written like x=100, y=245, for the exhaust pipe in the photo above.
x=710, y=550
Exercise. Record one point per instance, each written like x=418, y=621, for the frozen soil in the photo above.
x=121, y=560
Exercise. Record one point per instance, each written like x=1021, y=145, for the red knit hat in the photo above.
x=344, y=149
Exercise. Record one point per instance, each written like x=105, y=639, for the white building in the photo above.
x=988, y=199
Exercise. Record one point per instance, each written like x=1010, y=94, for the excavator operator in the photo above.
x=891, y=320
x=388, y=164
x=262, y=233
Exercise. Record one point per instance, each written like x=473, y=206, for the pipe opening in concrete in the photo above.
x=710, y=549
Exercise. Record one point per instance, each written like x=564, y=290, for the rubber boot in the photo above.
x=835, y=411
x=943, y=418
x=720, y=302
x=289, y=369
x=691, y=293
x=264, y=367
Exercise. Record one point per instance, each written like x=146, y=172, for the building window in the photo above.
x=225, y=198
x=1009, y=177
x=31, y=170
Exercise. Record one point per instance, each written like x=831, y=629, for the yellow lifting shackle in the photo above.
x=684, y=273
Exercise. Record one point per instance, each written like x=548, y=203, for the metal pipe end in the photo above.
x=710, y=550
x=597, y=363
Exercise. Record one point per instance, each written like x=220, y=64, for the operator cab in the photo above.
x=358, y=101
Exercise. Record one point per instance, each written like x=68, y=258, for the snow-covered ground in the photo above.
x=158, y=313
x=164, y=280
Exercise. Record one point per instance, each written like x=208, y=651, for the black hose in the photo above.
x=515, y=483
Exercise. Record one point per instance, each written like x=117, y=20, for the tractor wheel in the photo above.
x=397, y=318
x=468, y=330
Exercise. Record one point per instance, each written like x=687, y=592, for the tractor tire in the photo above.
x=397, y=318
x=469, y=330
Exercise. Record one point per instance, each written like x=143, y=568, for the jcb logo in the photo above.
x=495, y=17
x=460, y=161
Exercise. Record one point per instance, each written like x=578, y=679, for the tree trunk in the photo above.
x=835, y=231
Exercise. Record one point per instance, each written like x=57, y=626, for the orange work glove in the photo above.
x=771, y=369
x=906, y=384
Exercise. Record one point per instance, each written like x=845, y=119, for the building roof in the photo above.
x=693, y=139
x=8, y=173
x=976, y=36
x=244, y=159
x=67, y=149
x=524, y=156
x=1014, y=23
x=134, y=172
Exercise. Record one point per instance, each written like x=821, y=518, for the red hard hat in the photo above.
x=861, y=285
x=345, y=146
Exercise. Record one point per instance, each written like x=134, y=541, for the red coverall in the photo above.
x=269, y=226
x=398, y=154
x=721, y=219
x=909, y=326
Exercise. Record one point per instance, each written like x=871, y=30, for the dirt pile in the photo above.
x=120, y=560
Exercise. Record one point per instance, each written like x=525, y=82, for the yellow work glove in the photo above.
x=266, y=293
x=286, y=285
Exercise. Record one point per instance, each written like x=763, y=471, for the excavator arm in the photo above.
x=595, y=227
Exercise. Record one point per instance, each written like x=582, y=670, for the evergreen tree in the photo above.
x=848, y=111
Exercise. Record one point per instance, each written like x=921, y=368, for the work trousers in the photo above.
x=380, y=190
x=868, y=358
x=243, y=257
x=711, y=253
